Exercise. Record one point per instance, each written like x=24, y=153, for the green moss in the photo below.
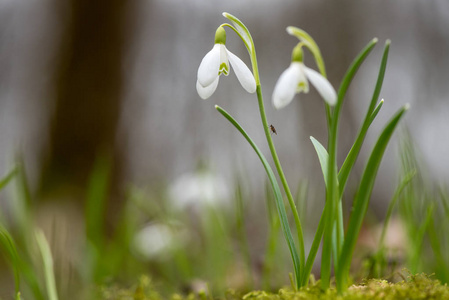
x=419, y=286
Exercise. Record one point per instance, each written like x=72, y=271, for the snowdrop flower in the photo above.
x=155, y=240
x=216, y=62
x=296, y=79
x=199, y=190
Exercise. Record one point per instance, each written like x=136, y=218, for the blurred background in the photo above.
x=109, y=86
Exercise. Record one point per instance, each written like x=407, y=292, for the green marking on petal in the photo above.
x=302, y=87
x=224, y=69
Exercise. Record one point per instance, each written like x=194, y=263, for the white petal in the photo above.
x=207, y=91
x=242, y=72
x=208, y=70
x=224, y=63
x=322, y=85
x=303, y=84
x=285, y=88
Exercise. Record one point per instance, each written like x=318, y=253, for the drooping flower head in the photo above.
x=295, y=79
x=216, y=62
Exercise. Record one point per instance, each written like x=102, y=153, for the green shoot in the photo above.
x=48, y=265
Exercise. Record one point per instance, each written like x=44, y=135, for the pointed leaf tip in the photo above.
x=407, y=106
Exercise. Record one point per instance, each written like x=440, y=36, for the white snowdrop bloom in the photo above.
x=155, y=240
x=216, y=62
x=295, y=79
x=198, y=190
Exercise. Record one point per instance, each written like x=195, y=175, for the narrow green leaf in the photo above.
x=323, y=156
x=333, y=191
x=314, y=248
x=96, y=200
x=10, y=249
x=369, y=117
x=445, y=201
x=3, y=182
x=7, y=178
x=362, y=198
x=241, y=228
x=376, y=111
x=48, y=265
x=405, y=181
x=437, y=247
x=277, y=193
x=419, y=240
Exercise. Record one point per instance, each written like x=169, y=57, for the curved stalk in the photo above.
x=281, y=175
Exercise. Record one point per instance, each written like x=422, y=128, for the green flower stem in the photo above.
x=338, y=232
x=276, y=158
x=281, y=174
x=331, y=200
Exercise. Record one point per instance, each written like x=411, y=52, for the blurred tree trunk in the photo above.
x=88, y=96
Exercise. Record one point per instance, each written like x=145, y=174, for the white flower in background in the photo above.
x=216, y=62
x=155, y=241
x=296, y=79
x=198, y=190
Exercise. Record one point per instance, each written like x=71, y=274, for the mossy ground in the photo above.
x=420, y=286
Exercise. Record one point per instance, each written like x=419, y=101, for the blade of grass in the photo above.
x=323, y=156
x=10, y=249
x=47, y=259
x=445, y=201
x=349, y=162
x=95, y=214
x=23, y=219
x=362, y=198
x=369, y=117
x=242, y=236
x=314, y=248
x=376, y=111
x=301, y=200
x=22, y=207
x=333, y=192
x=435, y=243
x=405, y=181
x=277, y=193
x=419, y=240
x=96, y=200
x=7, y=178
x=270, y=253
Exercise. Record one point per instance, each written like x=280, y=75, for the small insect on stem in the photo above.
x=273, y=130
